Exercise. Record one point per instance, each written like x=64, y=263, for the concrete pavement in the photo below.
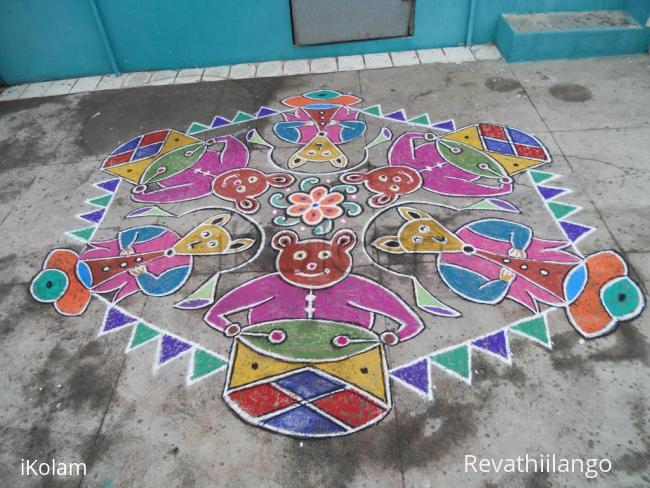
x=69, y=395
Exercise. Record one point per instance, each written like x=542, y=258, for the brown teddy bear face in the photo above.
x=314, y=263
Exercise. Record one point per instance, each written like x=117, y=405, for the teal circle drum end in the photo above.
x=622, y=298
x=49, y=285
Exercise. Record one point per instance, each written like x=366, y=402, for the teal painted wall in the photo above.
x=45, y=39
x=50, y=39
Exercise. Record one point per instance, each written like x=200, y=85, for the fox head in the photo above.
x=210, y=237
x=421, y=233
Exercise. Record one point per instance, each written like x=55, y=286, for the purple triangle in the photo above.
x=549, y=192
x=574, y=231
x=416, y=375
x=115, y=319
x=397, y=115
x=218, y=121
x=265, y=111
x=171, y=347
x=447, y=125
x=93, y=217
x=109, y=185
x=495, y=343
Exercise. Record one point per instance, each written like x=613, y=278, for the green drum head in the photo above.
x=173, y=162
x=308, y=340
x=49, y=285
x=470, y=159
x=622, y=298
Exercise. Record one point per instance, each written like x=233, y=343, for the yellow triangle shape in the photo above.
x=468, y=135
x=514, y=165
x=249, y=366
x=365, y=371
x=320, y=149
x=131, y=171
x=176, y=139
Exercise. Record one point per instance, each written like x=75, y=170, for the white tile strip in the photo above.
x=324, y=65
x=165, y=77
x=295, y=67
x=485, y=52
x=350, y=63
x=13, y=92
x=240, y=71
x=253, y=70
x=192, y=75
x=269, y=68
x=404, y=58
x=88, y=83
x=379, y=60
x=458, y=54
x=432, y=56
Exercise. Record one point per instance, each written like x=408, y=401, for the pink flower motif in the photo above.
x=316, y=205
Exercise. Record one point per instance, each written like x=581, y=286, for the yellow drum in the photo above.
x=308, y=378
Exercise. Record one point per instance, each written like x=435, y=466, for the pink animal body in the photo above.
x=438, y=175
x=353, y=300
x=196, y=181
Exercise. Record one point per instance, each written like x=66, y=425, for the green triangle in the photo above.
x=374, y=110
x=84, y=234
x=242, y=117
x=427, y=302
x=142, y=334
x=205, y=363
x=421, y=119
x=534, y=328
x=561, y=209
x=196, y=127
x=102, y=201
x=456, y=360
x=540, y=176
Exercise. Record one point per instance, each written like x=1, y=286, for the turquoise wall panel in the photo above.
x=152, y=34
x=45, y=39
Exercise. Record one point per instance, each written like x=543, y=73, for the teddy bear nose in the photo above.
x=311, y=266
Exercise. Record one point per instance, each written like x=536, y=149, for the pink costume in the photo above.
x=438, y=175
x=196, y=181
x=354, y=300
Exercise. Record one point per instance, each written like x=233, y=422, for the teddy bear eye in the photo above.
x=324, y=254
x=206, y=233
x=424, y=229
x=252, y=179
x=394, y=187
x=241, y=189
x=299, y=255
x=383, y=178
x=417, y=240
x=327, y=153
x=213, y=243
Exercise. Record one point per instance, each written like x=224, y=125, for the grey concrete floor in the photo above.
x=69, y=395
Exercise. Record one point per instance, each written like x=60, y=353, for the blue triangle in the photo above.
x=549, y=192
x=108, y=185
x=219, y=121
x=265, y=112
x=116, y=319
x=93, y=217
x=494, y=343
x=574, y=231
x=171, y=347
x=415, y=375
x=397, y=115
x=448, y=125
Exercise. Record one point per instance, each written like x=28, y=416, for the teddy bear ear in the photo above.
x=344, y=238
x=284, y=239
x=248, y=205
x=381, y=200
x=353, y=178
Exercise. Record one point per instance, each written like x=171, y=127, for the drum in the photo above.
x=308, y=378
